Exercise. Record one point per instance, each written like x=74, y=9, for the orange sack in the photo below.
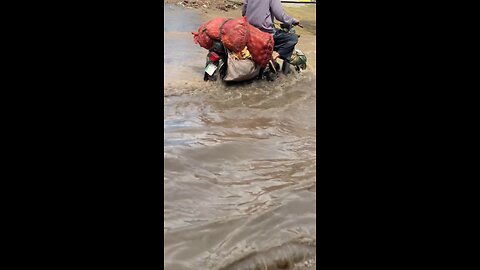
x=203, y=40
x=213, y=27
x=260, y=45
x=235, y=34
x=208, y=32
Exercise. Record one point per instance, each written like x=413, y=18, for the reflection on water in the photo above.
x=239, y=168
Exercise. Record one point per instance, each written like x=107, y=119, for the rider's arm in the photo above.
x=277, y=11
x=244, y=8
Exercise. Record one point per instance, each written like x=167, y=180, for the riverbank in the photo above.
x=207, y=5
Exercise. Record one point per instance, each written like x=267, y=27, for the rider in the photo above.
x=260, y=13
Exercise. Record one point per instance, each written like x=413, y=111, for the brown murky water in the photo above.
x=240, y=163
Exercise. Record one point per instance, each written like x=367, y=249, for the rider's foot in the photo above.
x=285, y=67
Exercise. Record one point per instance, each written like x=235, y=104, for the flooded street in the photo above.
x=239, y=161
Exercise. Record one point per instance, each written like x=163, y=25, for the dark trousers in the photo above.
x=284, y=44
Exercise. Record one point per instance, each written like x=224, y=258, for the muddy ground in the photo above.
x=224, y=5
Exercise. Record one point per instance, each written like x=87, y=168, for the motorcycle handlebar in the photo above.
x=286, y=26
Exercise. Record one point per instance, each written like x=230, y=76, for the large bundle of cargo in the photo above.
x=236, y=34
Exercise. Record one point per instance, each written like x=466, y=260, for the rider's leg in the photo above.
x=284, y=45
x=285, y=67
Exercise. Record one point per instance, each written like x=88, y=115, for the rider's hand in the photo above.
x=275, y=55
x=298, y=24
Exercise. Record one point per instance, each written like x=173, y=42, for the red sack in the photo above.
x=260, y=45
x=207, y=32
x=235, y=34
x=202, y=39
x=213, y=27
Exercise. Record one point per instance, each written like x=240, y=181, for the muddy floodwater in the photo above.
x=239, y=161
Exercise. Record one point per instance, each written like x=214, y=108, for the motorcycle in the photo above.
x=217, y=59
